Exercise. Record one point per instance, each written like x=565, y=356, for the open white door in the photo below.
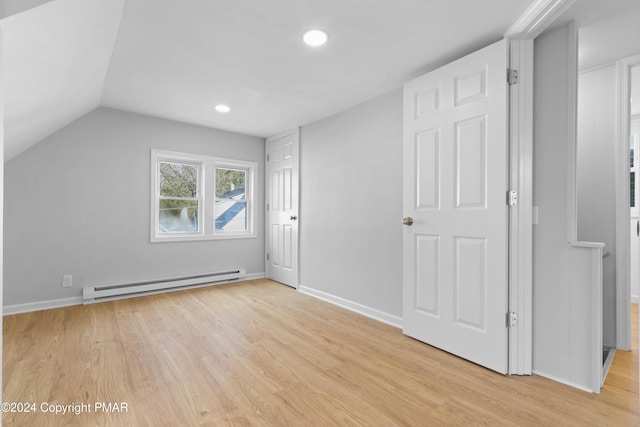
x=282, y=208
x=455, y=259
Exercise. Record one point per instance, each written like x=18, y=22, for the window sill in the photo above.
x=167, y=239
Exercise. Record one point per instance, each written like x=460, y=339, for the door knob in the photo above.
x=293, y=218
x=407, y=221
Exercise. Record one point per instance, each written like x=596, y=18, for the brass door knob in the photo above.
x=407, y=221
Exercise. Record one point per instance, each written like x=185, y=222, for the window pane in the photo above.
x=231, y=215
x=230, y=183
x=178, y=216
x=178, y=180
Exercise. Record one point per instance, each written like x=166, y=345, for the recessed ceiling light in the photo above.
x=315, y=38
x=221, y=108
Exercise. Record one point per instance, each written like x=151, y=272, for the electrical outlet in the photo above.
x=67, y=281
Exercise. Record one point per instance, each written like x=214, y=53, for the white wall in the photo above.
x=596, y=178
x=566, y=279
x=606, y=41
x=351, y=205
x=78, y=203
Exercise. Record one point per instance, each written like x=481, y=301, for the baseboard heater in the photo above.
x=93, y=294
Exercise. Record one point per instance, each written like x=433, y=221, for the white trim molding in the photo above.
x=521, y=215
x=621, y=167
x=40, y=305
x=370, y=312
x=562, y=381
x=253, y=276
x=537, y=18
x=68, y=302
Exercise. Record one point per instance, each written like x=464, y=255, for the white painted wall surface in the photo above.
x=351, y=205
x=604, y=41
x=78, y=203
x=596, y=178
x=565, y=280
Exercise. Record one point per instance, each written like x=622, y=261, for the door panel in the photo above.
x=282, y=208
x=428, y=274
x=455, y=184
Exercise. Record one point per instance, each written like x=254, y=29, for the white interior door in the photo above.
x=282, y=208
x=455, y=186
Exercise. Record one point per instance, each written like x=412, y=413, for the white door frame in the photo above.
x=622, y=129
x=538, y=17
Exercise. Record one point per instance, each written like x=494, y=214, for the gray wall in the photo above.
x=79, y=203
x=596, y=179
x=351, y=204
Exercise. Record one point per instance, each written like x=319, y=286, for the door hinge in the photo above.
x=267, y=206
x=267, y=157
x=512, y=319
x=512, y=198
x=267, y=257
x=512, y=77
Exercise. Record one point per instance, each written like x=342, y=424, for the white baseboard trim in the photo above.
x=635, y=299
x=372, y=313
x=28, y=307
x=40, y=305
x=563, y=381
x=253, y=276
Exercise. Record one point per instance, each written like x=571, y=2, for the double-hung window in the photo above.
x=201, y=197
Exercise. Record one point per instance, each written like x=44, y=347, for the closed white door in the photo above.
x=282, y=208
x=455, y=204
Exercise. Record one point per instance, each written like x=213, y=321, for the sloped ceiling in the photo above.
x=56, y=58
x=177, y=59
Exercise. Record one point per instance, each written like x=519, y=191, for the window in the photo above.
x=200, y=197
x=179, y=201
x=231, y=203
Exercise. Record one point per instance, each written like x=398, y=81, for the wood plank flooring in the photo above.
x=260, y=353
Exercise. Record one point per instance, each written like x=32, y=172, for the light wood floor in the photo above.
x=260, y=353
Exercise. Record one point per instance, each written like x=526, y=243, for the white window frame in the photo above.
x=206, y=197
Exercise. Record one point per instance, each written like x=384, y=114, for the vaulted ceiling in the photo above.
x=176, y=60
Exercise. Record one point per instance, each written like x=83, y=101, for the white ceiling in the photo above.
x=178, y=59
